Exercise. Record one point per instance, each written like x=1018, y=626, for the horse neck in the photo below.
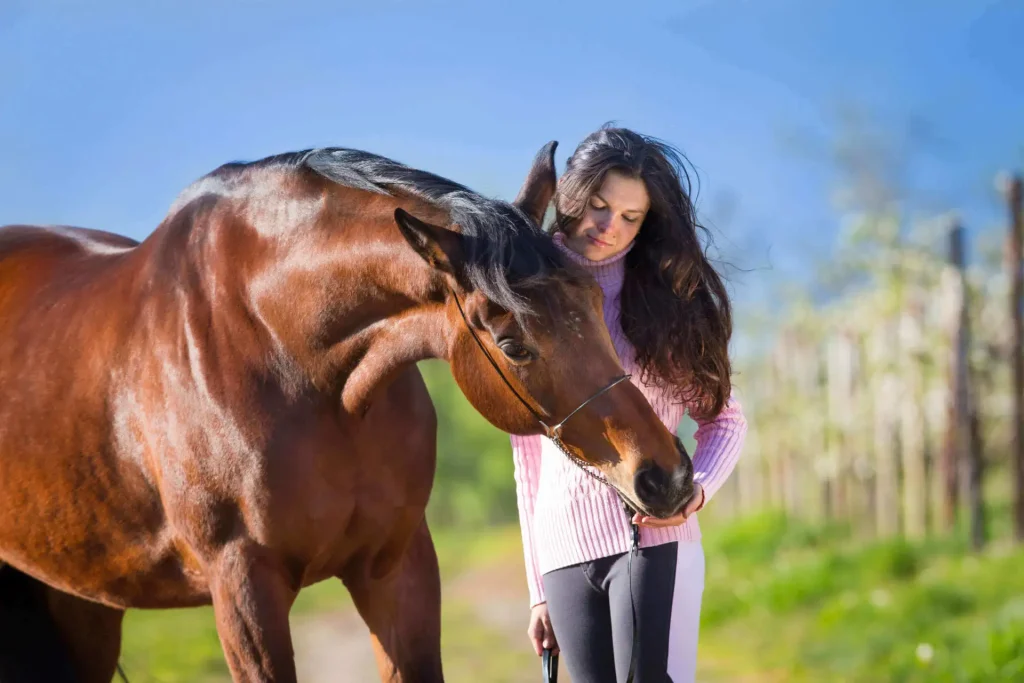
x=386, y=306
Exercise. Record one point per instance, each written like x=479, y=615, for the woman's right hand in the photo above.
x=540, y=632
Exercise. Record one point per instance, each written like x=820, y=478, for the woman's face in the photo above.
x=611, y=218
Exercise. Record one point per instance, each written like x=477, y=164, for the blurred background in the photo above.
x=857, y=166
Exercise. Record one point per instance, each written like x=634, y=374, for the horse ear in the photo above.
x=536, y=192
x=437, y=245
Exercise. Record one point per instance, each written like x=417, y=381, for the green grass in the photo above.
x=812, y=605
x=172, y=646
x=178, y=646
x=783, y=602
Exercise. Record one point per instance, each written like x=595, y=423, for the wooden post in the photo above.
x=840, y=401
x=1016, y=350
x=912, y=429
x=801, y=360
x=963, y=448
x=783, y=387
x=884, y=407
x=951, y=456
x=861, y=436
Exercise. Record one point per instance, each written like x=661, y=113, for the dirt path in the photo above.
x=332, y=647
x=485, y=613
x=484, y=631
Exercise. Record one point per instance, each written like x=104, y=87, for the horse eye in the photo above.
x=516, y=351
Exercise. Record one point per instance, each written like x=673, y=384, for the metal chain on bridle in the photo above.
x=554, y=433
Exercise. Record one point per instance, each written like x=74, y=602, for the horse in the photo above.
x=230, y=411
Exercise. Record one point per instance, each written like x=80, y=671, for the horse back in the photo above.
x=57, y=240
x=64, y=296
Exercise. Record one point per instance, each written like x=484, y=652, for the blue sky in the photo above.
x=109, y=109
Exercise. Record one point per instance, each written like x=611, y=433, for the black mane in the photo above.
x=505, y=251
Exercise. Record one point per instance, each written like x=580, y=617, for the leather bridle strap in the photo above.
x=554, y=432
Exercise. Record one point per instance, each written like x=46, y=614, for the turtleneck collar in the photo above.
x=608, y=272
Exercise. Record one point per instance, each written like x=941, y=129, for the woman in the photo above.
x=622, y=211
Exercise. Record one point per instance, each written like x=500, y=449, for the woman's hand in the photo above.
x=540, y=632
x=696, y=503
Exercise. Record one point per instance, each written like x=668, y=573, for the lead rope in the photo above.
x=555, y=434
x=634, y=549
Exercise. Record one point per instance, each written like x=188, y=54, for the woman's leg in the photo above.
x=686, y=601
x=578, y=607
x=591, y=611
x=653, y=579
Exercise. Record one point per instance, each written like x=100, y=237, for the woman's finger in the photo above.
x=549, y=635
x=535, y=635
x=655, y=522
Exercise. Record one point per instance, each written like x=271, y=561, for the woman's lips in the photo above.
x=598, y=242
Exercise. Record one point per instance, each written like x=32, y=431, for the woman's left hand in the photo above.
x=675, y=520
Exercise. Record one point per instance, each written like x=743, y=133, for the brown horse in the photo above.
x=230, y=410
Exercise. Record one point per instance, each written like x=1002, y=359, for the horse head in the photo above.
x=528, y=345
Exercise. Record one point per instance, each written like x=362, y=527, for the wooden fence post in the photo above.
x=951, y=456
x=1016, y=350
x=912, y=422
x=884, y=406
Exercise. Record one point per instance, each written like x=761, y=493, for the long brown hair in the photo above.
x=675, y=309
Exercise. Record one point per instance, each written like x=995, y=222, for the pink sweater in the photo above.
x=566, y=516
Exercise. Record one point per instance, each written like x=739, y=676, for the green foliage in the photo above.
x=817, y=606
x=783, y=601
x=172, y=646
x=474, y=483
x=758, y=539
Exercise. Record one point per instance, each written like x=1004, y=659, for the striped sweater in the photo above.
x=567, y=517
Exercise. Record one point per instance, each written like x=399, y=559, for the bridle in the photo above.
x=554, y=433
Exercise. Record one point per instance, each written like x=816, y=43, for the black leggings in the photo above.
x=590, y=609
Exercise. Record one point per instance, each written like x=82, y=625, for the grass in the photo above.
x=813, y=605
x=179, y=646
x=783, y=601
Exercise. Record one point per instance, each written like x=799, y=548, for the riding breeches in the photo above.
x=590, y=609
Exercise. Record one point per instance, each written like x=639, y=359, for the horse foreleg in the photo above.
x=252, y=594
x=403, y=613
x=90, y=631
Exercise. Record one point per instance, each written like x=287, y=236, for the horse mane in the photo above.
x=505, y=252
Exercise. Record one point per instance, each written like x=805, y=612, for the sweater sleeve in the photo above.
x=526, y=459
x=719, y=443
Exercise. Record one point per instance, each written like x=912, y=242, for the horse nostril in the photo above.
x=663, y=492
x=650, y=483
